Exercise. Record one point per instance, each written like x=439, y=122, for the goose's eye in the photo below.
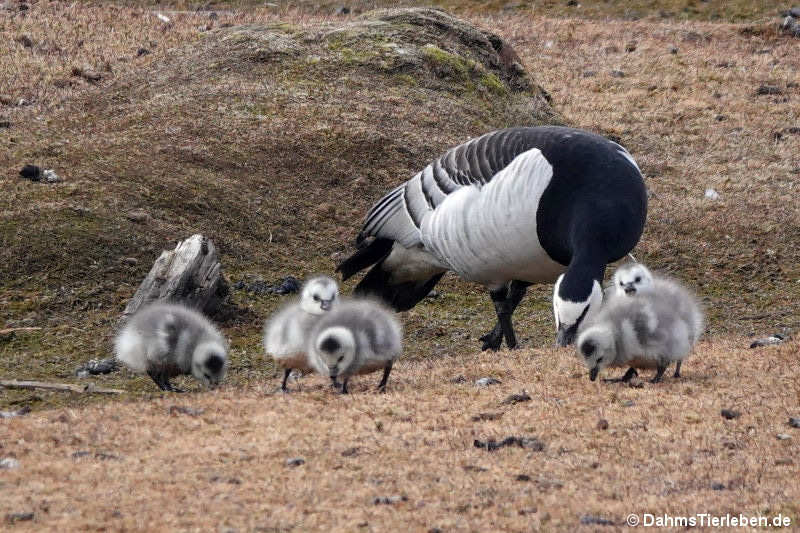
x=316, y=297
x=638, y=279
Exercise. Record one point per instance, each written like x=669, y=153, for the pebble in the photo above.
x=142, y=52
x=588, y=520
x=617, y=74
x=531, y=443
x=794, y=422
x=19, y=412
x=8, y=463
x=673, y=49
x=768, y=89
x=31, y=172
x=97, y=366
x=183, y=410
x=783, y=436
x=717, y=486
x=19, y=517
x=295, y=461
x=768, y=341
x=602, y=424
x=138, y=215
x=5, y=123
x=49, y=176
x=523, y=477
x=516, y=398
x=342, y=10
x=389, y=500
x=711, y=194
x=730, y=414
x=458, y=380
x=485, y=382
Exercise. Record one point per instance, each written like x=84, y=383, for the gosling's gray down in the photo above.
x=632, y=279
x=358, y=337
x=167, y=340
x=287, y=333
x=647, y=331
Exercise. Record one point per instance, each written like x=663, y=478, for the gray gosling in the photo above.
x=642, y=332
x=632, y=279
x=286, y=334
x=358, y=337
x=167, y=340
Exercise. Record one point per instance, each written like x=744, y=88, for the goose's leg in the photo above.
x=677, y=373
x=158, y=379
x=344, y=386
x=503, y=308
x=286, y=373
x=386, y=370
x=494, y=338
x=659, y=374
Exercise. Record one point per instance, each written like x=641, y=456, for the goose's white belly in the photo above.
x=488, y=234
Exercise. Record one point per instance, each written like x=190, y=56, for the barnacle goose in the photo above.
x=510, y=208
x=287, y=331
x=166, y=340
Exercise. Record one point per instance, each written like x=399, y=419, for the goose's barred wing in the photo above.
x=398, y=215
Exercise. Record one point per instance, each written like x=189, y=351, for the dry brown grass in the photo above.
x=665, y=446
x=158, y=130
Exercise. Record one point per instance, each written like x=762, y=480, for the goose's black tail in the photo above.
x=377, y=282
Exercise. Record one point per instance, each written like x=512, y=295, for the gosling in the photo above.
x=287, y=332
x=358, y=337
x=647, y=331
x=166, y=340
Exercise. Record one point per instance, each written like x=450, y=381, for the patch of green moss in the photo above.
x=446, y=64
x=493, y=84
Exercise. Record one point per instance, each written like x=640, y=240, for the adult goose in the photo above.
x=510, y=208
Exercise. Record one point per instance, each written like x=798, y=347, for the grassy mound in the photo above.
x=270, y=139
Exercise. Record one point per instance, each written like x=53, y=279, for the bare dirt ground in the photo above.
x=699, y=104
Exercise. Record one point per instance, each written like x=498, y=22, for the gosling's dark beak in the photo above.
x=629, y=288
x=325, y=305
x=566, y=336
x=593, y=373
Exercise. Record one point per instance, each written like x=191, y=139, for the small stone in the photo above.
x=628, y=403
x=794, y=422
x=8, y=463
x=130, y=261
x=87, y=74
x=480, y=417
x=12, y=518
x=617, y=74
x=768, y=341
x=19, y=412
x=602, y=424
x=783, y=436
x=95, y=367
x=5, y=124
x=49, y=176
x=183, y=410
x=730, y=414
x=631, y=46
x=342, y=10
x=711, y=194
x=516, y=398
x=485, y=382
x=295, y=461
x=572, y=3
x=717, y=486
x=589, y=73
x=673, y=49
x=138, y=215
x=389, y=500
x=768, y=89
x=588, y=520
x=458, y=379
x=288, y=285
x=351, y=452
x=142, y=52
x=523, y=477
x=213, y=15
x=31, y=172
x=25, y=41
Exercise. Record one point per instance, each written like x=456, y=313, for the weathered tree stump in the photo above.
x=190, y=274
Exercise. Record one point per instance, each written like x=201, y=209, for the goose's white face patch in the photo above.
x=319, y=295
x=570, y=315
x=632, y=279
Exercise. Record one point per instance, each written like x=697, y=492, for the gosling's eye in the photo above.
x=599, y=359
x=316, y=297
x=207, y=377
x=340, y=359
x=621, y=283
x=638, y=279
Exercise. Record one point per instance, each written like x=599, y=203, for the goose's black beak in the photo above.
x=629, y=288
x=593, y=373
x=566, y=336
x=326, y=305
